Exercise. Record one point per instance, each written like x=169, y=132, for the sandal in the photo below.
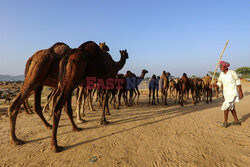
x=237, y=123
x=225, y=125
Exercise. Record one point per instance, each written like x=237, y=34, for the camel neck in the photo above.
x=142, y=76
x=120, y=63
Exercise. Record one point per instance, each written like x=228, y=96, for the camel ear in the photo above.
x=104, y=43
x=120, y=51
x=125, y=50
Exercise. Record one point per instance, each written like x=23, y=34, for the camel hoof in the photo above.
x=104, y=122
x=80, y=121
x=76, y=129
x=17, y=142
x=108, y=113
x=57, y=149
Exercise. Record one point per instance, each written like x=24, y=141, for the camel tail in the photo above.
x=62, y=68
x=27, y=66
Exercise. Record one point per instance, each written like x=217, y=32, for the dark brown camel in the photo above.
x=182, y=87
x=194, y=87
x=41, y=69
x=86, y=61
x=85, y=93
x=134, y=82
x=138, y=81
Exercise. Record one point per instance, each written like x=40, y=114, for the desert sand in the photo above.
x=141, y=135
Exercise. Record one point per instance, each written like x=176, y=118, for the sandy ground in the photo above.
x=141, y=135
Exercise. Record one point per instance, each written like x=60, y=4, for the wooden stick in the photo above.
x=219, y=61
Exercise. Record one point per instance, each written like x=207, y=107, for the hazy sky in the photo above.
x=177, y=36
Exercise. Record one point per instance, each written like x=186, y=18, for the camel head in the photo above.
x=61, y=49
x=144, y=71
x=104, y=47
x=124, y=54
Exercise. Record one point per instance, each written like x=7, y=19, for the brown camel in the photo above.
x=172, y=88
x=164, y=82
x=216, y=87
x=41, y=69
x=207, y=90
x=86, y=61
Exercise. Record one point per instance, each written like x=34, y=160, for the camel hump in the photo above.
x=60, y=50
x=92, y=48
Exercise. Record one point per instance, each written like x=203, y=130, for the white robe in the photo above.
x=230, y=81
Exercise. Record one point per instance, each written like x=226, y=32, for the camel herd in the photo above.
x=64, y=69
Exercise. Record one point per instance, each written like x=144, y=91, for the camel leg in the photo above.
x=181, y=98
x=65, y=94
x=125, y=97
x=37, y=106
x=56, y=117
x=162, y=97
x=84, y=94
x=153, y=100
x=49, y=98
x=13, y=112
x=138, y=95
x=78, y=106
x=157, y=95
x=90, y=100
x=107, y=105
x=105, y=101
x=149, y=96
x=70, y=114
x=166, y=96
x=26, y=108
x=211, y=94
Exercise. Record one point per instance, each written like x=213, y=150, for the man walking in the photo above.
x=231, y=90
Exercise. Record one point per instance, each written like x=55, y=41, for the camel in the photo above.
x=164, y=82
x=172, y=88
x=182, y=87
x=138, y=81
x=86, y=93
x=41, y=69
x=134, y=88
x=88, y=60
x=207, y=90
x=194, y=90
x=216, y=87
x=123, y=91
